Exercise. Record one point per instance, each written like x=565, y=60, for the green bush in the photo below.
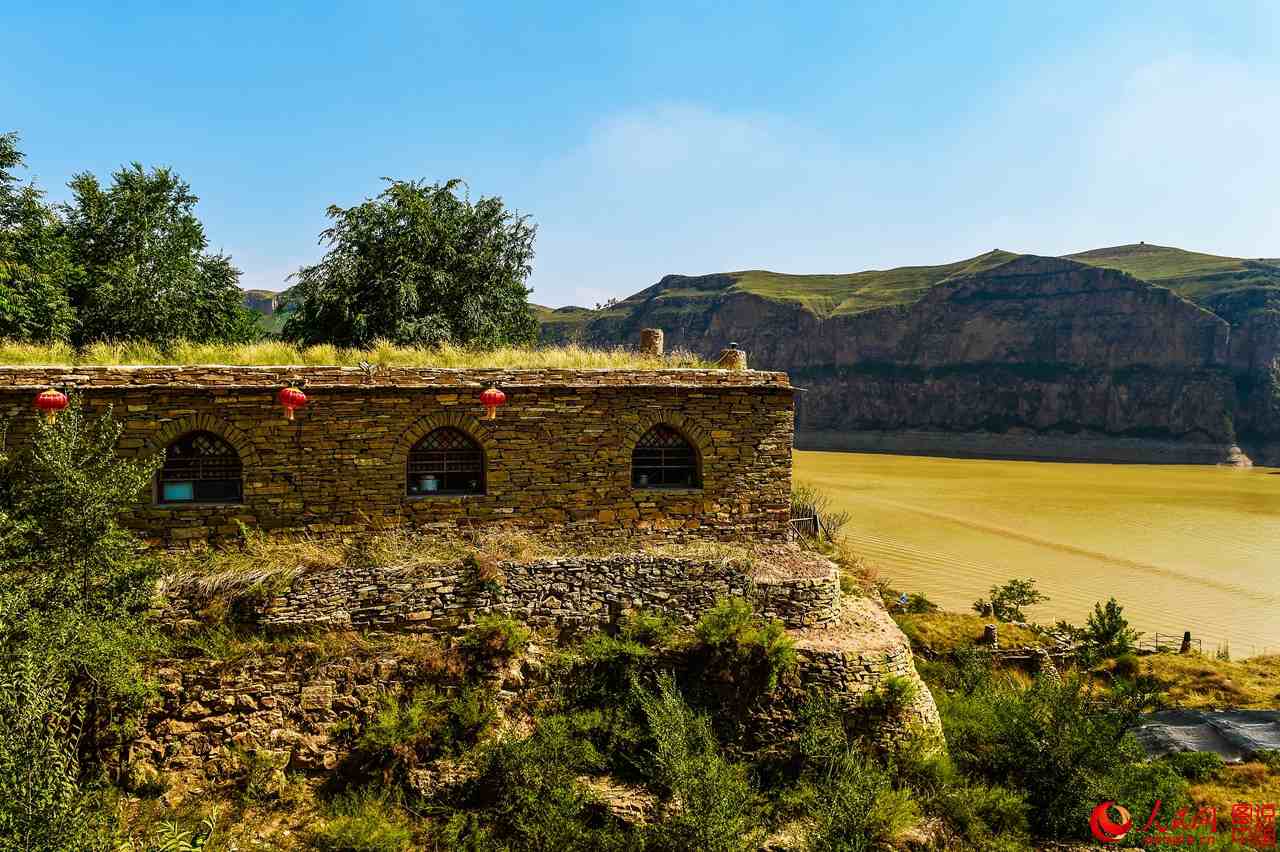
x=363, y=822
x=1107, y=630
x=1006, y=602
x=743, y=645
x=42, y=806
x=495, y=637
x=1196, y=765
x=74, y=589
x=406, y=733
x=1127, y=666
x=526, y=795
x=855, y=808
x=1064, y=745
x=710, y=802
x=1269, y=758
x=894, y=695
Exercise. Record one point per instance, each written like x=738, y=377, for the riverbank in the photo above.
x=1029, y=446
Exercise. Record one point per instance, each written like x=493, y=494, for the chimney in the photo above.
x=651, y=342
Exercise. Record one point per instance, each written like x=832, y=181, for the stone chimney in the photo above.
x=732, y=358
x=651, y=342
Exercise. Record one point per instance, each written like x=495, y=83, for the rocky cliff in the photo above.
x=1023, y=356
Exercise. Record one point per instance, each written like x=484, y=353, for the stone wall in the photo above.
x=293, y=704
x=571, y=593
x=558, y=456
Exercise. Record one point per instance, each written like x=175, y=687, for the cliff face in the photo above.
x=1089, y=362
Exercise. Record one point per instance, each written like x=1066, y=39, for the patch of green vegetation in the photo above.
x=1193, y=275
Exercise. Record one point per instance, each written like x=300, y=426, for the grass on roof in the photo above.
x=276, y=353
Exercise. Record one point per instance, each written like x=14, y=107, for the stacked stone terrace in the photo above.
x=558, y=456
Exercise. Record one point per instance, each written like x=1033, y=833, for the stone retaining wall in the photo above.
x=557, y=458
x=573, y=593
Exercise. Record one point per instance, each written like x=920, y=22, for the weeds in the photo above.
x=743, y=646
x=493, y=638
x=381, y=355
x=363, y=821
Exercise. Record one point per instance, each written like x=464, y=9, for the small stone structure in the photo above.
x=558, y=457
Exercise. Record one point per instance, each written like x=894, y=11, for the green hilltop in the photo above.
x=1230, y=286
x=1211, y=280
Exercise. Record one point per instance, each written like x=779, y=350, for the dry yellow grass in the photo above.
x=943, y=632
x=1194, y=681
x=1251, y=783
x=382, y=354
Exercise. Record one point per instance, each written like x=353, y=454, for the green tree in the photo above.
x=35, y=259
x=419, y=266
x=1108, y=631
x=1006, y=602
x=147, y=272
x=74, y=588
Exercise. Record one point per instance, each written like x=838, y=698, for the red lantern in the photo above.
x=291, y=399
x=491, y=399
x=51, y=402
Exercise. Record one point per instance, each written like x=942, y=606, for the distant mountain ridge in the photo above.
x=1137, y=352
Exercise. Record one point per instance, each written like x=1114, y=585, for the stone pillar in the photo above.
x=1186, y=643
x=990, y=636
x=732, y=358
x=651, y=342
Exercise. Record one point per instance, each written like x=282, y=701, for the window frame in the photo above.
x=472, y=451
x=195, y=463
x=659, y=461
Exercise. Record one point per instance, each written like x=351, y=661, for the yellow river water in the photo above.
x=1183, y=547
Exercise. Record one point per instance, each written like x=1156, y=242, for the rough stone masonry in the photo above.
x=557, y=457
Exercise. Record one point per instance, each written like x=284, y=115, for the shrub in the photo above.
x=1127, y=666
x=526, y=795
x=652, y=630
x=894, y=695
x=363, y=822
x=709, y=801
x=1006, y=602
x=855, y=808
x=407, y=733
x=41, y=804
x=1108, y=631
x=494, y=637
x=1196, y=765
x=1269, y=758
x=73, y=592
x=1064, y=744
x=742, y=644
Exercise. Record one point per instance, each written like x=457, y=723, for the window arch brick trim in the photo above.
x=690, y=429
x=175, y=429
x=464, y=423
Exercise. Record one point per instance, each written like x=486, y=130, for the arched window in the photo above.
x=664, y=459
x=200, y=467
x=446, y=461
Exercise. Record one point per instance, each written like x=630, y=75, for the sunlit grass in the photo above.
x=381, y=354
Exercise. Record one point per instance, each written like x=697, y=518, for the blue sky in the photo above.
x=650, y=138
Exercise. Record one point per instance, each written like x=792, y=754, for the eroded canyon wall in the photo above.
x=1039, y=357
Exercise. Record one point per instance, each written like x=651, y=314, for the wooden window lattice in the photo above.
x=663, y=458
x=200, y=468
x=446, y=461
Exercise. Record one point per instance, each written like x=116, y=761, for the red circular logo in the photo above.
x=1104, y=829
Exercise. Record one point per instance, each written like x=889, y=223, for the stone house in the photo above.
x=579, y=454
